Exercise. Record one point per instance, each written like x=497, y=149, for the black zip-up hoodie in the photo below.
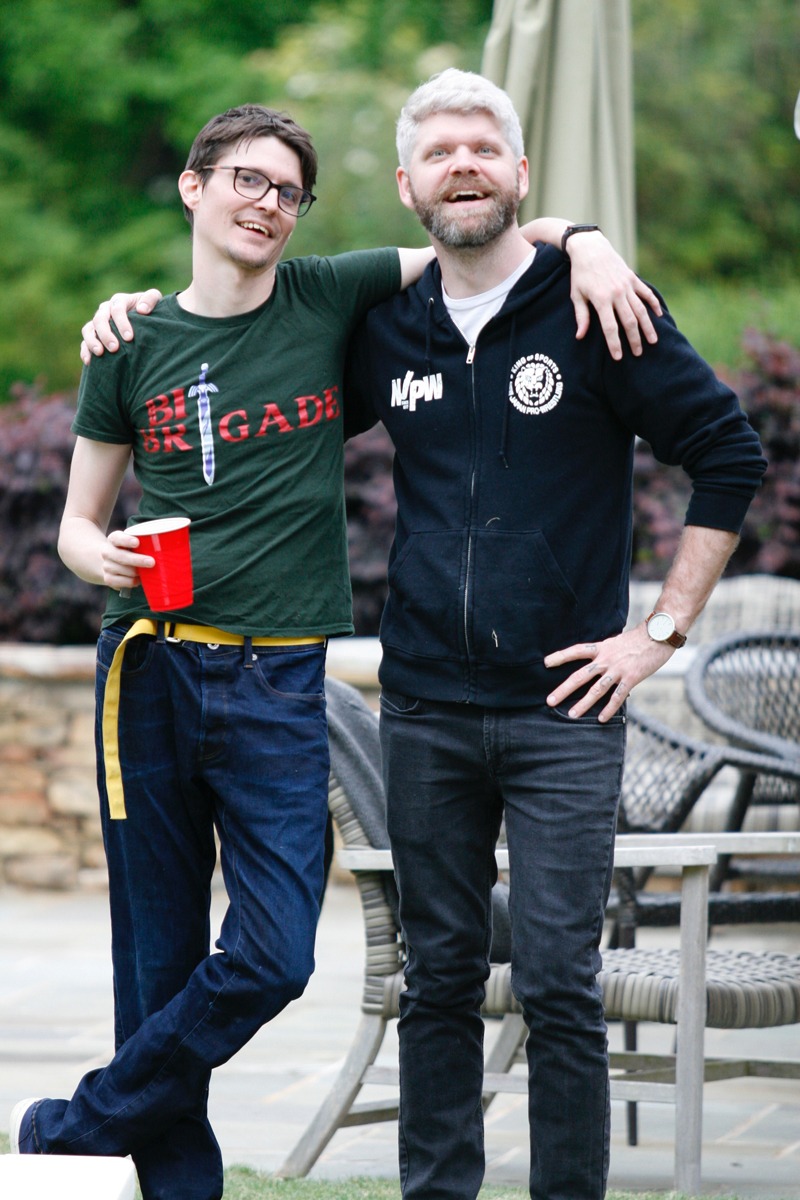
x=513, y=476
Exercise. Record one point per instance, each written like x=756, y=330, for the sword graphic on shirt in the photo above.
x=202, y=390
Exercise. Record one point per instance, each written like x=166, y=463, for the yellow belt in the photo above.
x=175, y=633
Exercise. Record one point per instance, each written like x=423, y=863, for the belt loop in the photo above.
x=248, y=652
x=161, y=632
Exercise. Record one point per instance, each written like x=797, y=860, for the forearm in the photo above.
x=81, y=544
x=545, y=229
x=412, y=263
x=699, y=562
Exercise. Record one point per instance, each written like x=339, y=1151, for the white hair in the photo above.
x=457, y=92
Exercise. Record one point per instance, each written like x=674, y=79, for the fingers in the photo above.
x=606, y=685
x=98, y=334
x=582, y=314
x=648, y=295
x=634, y=316
x=120, y=305
x=614, y=668
x=121, y=564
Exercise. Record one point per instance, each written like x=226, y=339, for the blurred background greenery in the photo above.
x=100, y=100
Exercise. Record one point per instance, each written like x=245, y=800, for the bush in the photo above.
x=41, y=601
x=769, y=390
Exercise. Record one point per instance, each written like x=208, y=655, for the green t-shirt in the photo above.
x=264, y=487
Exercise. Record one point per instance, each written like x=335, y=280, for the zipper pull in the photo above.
x=471, y=354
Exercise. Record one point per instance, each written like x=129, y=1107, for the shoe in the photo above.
x=20, y=1131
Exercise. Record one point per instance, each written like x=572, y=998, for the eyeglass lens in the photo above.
x=293, y=200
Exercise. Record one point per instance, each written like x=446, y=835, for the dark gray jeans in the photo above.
x=453, y=772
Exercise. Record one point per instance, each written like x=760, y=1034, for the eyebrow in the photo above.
x=259, y=171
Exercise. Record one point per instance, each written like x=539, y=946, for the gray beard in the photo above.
x=450, y=232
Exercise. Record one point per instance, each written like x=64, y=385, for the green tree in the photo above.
x=100, y=100
x=99, y=103
x=717, y=163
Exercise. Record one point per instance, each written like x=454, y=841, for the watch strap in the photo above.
x=675, y=639
x=568, y=232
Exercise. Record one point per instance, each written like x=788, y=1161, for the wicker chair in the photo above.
x=666, y=773
x=745, y=687
x=637, y=985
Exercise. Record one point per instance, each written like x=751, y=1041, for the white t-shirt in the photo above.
x=473, y=312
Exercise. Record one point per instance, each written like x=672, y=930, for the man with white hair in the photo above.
x=505, y=669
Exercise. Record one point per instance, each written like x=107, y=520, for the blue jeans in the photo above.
x=209, y=737
x=453, y=772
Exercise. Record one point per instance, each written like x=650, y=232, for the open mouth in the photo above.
x=465, y=196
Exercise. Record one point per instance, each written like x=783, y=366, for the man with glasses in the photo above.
x=229, y=403
x=221, y=710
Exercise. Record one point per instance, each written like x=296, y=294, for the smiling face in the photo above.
x=251, y=234
x=463, y=180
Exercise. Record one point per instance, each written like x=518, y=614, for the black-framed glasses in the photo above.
x=254, y=185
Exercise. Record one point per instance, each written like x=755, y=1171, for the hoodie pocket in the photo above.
x=423, y=611
x=523, y=606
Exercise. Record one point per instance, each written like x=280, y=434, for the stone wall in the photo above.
x=49, y=823
x=50, y=833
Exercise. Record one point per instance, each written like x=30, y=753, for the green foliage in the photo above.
x=99, y=103
x=716, y=314
x=717, y=162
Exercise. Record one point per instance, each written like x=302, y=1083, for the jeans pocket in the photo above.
x=138, y=651
x=399, y=704
x=294, y=672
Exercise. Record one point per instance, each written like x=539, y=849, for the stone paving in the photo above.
x=55, y=1024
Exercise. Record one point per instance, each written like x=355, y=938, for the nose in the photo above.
x=270, y=201
x=463, y=161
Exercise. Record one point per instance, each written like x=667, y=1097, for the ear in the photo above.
x=522, y=176
x=404, y=188
x=190, y=187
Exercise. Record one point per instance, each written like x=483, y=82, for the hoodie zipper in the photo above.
x=468, y=580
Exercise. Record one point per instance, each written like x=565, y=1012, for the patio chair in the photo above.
x=637, y=985
x=666, y=773
x=745, y=688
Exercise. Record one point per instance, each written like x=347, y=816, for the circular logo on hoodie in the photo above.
x=535, y=385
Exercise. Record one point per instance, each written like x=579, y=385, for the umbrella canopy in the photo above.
x=566, y=64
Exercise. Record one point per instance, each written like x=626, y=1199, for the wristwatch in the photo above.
x=568, y=232
x=661, y=628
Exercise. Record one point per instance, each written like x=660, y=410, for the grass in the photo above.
x=243, y=1183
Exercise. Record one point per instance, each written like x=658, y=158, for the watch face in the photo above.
x=660, y=627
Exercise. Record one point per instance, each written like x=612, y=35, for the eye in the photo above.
x=252, y=179
x=292, y=195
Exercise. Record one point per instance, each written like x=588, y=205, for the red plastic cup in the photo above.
x=168, y=585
